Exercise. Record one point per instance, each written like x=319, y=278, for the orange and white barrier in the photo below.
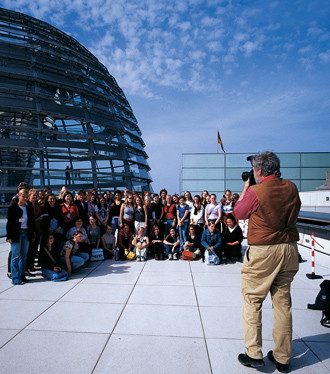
x=313, y=275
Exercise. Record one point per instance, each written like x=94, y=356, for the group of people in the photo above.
x=67, y=228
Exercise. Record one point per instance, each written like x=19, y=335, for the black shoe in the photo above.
x=246, y=360
x=282, y=368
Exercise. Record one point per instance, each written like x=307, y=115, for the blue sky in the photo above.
x=257, y=70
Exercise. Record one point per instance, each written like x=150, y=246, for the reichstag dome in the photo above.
x=63, y=117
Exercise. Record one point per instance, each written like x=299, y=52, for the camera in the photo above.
x=249, y=174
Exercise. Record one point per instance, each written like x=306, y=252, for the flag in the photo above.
x=220, y=142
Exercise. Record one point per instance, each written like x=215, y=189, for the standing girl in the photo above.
x=140, y=214
x=127, y=213
x=102, y=213
x=20, y=233
x=183, y=220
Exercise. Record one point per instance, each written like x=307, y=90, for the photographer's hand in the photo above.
x=246, y=186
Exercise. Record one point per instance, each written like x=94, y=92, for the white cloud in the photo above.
x=214, y=46
x=325, y=56
x=184, y=26
x=153, y=44
x=306, y=50
x=249, y=48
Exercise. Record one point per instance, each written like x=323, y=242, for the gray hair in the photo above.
x=267, y=162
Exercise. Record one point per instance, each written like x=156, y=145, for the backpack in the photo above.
x=322, y=302
x=325, y=320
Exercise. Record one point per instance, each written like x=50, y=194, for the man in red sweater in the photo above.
x=271, y=260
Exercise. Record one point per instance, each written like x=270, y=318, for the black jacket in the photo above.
x=14, y=225
x=83, y=211
x=45, y=261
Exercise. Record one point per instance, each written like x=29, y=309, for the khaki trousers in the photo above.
x=268, y=268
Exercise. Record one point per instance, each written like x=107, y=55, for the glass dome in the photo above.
x=63, y=117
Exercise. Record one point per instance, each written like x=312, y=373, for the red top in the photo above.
x=69, y=213
x=169, y=211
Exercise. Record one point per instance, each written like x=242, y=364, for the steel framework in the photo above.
x=63, y=117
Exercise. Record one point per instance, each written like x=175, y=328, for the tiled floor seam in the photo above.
x=310, y=348
x=114, y=327
x=200, y=316
x=314, y=353
x=45, y=309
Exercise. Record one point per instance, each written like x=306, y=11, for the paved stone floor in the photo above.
x=154, y=317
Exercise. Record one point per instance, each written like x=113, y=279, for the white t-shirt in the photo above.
x=24, y=218
x=190, y=204
x=212, y=211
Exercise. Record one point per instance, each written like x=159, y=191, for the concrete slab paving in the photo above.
x=217, y=279
x=163, y=295
x=171, y=266
x=164, y=320
x=52, y=352
x=6, y=335
x=219, y=296
x=17, y=314
x=154, y=354
x=99, y=293
x=79, y=317
x=321, y=351
x=34, y=290
x=152, y=317
x=113, y=275
x=5, y=285
x=166, y=277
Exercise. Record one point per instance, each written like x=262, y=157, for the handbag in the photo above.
x=210, y=258
x=130, y=255
x=187, y=255
x=97, y=254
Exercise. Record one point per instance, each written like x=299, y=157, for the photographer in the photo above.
x=271, y=260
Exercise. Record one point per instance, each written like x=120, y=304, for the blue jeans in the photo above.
x=18, y=258
x=77, y=260
x=55, y=276
x=168, y=249
x=183, y=234
x=115, y=225
x=168, y=225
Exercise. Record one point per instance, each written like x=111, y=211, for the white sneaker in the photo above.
x=138, y=258
x=170, y=256
x=175, y=257
x=142, y=258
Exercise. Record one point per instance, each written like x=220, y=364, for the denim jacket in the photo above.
x=209, y=240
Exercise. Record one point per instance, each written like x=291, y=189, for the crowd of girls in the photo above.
x=61, y=231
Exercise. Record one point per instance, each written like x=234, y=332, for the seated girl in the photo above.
x=232, y=238
x=141, y=243
x=156, y=243
x=124, y=244
x=193, y=242
x=108, y=242
x=84, y=244
x=49, y=260
x=172, y=244
x=71, y=257
x=93, y=233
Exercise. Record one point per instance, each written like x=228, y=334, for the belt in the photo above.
x=23, y=230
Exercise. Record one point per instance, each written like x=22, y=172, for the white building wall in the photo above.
x=315, y=201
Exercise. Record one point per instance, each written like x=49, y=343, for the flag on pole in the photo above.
x=220, y=142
